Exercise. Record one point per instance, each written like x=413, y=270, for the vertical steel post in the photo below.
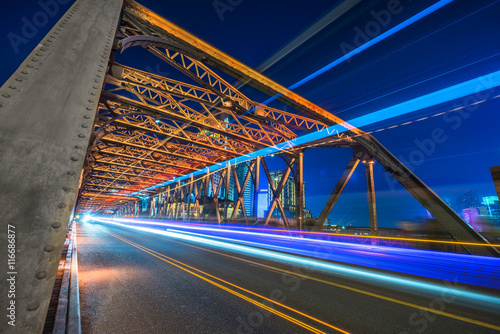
x=182, y=200
x=256, y=181
x=372, y=208
x=226, y=195
x=169, y=199
x=177, y=200
x=299, y=193
x=190, y=191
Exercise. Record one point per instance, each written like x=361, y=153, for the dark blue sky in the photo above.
x=456, y=43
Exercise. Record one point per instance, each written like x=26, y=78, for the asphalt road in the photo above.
x=139, y=282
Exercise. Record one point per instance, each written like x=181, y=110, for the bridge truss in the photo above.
x=151, y=129
x=131, y=133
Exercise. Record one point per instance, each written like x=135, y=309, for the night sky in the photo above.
x=458, y=42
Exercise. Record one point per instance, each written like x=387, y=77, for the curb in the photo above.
x=67, y=318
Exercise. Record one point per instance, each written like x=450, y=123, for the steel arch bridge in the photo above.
x=123, y=135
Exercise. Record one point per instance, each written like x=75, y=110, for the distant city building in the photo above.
x=288, y=196
x=483, y=211
x=262, y=203
x=248, y=193
x=222, y=193
x=470, y=216
x=492, y=206
x=467, y=200
x=307, y=214
x=489, y=200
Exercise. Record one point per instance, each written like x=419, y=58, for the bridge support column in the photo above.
x=256, y=181
x=372, y=208
x=226, y=194
x=299, y=171
x=190, y=191
x=206, y=187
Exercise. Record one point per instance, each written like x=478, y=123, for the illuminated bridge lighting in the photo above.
x=476, y=270
x=279, y=232
x=368, y=44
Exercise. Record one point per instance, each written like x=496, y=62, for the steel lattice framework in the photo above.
x=99, y=136
x=151, y=129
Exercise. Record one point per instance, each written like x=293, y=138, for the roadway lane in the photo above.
x=468, y=269
x=127, y=288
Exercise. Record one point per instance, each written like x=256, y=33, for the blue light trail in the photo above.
x=368, y=44
x=456, y=268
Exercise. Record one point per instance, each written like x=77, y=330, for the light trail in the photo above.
x=404, y=47
x=342, y=286
x=327, y=19
x=417, y=83
x=468, y=269
x=191, y=270
x=266, y=231
x=368, y=44
x=363, y=275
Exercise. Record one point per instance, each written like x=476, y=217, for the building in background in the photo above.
x=492, y=206
x=262, y=203
x=288, y=196
x=470, y=216
x=232, y=196
x=248, y=194
x=466, y=201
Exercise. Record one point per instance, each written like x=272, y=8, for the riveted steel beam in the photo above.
x=47, y=112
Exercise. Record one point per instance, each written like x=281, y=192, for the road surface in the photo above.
x=138, y=282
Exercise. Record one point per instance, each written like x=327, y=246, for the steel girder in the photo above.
x=152, y=122
x=177, y=152
x=191, y=51
x=155, y=106
x=105, y=185
x=212, y=117
x=47, y=112
x=208, y=97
